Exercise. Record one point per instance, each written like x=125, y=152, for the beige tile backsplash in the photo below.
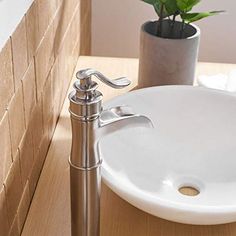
x=37, y=63
x=44, y=59
x=16, y=120
x=29, y=91
x=14, y=230
x=32, y=30
x=14, y=188
x=4, y=224
x=5, y=147
x=26, y=155
x=19, y=52
x=23, y=207
x=7, y=82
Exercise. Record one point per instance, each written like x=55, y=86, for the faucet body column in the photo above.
x=85, y=180
x=89, y=123
x=85, y=176
x=85, y=201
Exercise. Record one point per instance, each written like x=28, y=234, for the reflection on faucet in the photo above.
x=89, y=123
x=120, y=117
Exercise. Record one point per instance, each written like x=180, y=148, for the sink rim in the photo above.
x=136, y=198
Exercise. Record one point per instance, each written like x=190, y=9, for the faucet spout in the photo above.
x=121, y=117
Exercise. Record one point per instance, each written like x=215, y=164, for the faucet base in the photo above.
x=85, y=187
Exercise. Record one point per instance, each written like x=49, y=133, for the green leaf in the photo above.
x=156, y=4
x=157, y=7
x=152, y=2
x=186, y=5
x=171, y=7
x=191, y=17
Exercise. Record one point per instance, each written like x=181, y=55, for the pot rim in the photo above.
x=197, y=34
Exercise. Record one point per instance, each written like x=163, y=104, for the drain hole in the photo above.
x=189, y=191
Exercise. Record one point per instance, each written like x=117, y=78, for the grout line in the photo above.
x=9, y=126
x=35, y=80
x=13, y=70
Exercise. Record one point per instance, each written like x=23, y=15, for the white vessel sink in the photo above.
x=193, y=144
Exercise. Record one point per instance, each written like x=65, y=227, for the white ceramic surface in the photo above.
x=193, y=143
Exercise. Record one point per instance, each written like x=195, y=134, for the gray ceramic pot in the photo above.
x=165, y=61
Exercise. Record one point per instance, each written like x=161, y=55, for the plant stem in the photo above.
x=159, y=31
x=173, y=20
x=182, y=29
x=172, y=25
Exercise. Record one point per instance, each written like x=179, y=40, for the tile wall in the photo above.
x=37, y=63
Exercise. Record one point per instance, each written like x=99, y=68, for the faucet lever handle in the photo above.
x=85, y=79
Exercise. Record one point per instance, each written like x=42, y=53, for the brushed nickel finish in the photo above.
x=90, y=122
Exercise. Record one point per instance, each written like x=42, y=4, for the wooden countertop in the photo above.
x=49, y=214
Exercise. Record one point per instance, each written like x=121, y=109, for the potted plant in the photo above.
x=169, y=47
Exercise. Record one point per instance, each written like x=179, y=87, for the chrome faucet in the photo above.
x=90, y=122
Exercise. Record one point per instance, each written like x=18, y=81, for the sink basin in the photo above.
x=184, y=169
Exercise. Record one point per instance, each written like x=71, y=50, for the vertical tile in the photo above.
x=51, y=127
x=14, y=189
x=73, y=49
x=32, y=30
x=76, y=49
x=19, y=51
x=6, y=78
x=14, y=230
x=34, y=175
x=26, y=155
x=62, y=21
x=36, y=126
x=43, y=17
x=86, y=35
x=46, y=11
x=23, y=207
x=72, y=5
x=58, y=3
x=44, y=60
x=47, y=96
x=43, y=149
x=85, y=6
x=76, y=30
x=65, y=58
x=5, y=149
x=16, y=120
x=57, y=87
x=4, y=224
x=62, y=69
x=85, y=26
x=53, y=5
x=38, y=164
x=59, y=28
x=29, y=91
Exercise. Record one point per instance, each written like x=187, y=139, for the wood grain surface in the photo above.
x=49, y=214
